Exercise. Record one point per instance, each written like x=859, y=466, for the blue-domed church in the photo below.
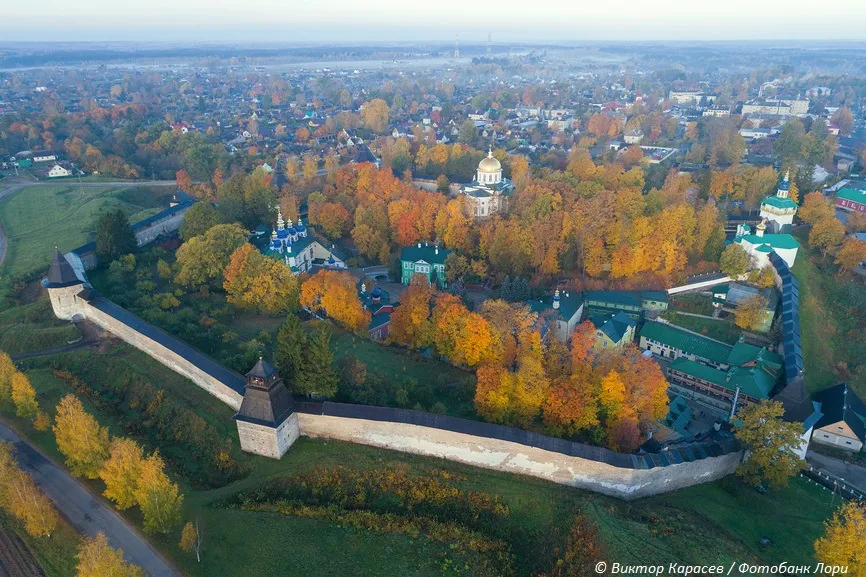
x=299, y=249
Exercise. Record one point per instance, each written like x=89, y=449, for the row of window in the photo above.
x=852, y=204
x=421, y=267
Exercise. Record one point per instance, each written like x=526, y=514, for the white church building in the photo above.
x=760, y=245
x=488, y=193
x=779, y=210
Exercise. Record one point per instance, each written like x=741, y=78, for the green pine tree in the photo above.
x=114, y=236
x=317, y=375
x=505, y=289
x=291, y=343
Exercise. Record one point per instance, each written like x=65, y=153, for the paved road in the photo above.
x=88, y=514
x=853, y=474
x=16, y=186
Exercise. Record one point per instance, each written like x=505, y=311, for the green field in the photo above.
x=722, y=521
x=38, y=218
x=33, y=327
x=832, y=319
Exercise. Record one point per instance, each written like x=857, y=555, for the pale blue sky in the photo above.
x=402, y=20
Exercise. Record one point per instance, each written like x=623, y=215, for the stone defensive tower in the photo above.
x=266, y=424
x=63, y=284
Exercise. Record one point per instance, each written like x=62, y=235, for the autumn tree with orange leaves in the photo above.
x=465, y=338
x=410, y=321
x=257, y=282
x=335, y=293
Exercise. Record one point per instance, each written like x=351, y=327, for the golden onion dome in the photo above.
x=489, y=164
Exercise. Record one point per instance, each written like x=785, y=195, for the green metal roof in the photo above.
x=752, y=381
x=744, y=353
x=852, y=194
x=685, y=341
x=426, y=252
x=784, y=241
x=779, y=202
x=624, y=298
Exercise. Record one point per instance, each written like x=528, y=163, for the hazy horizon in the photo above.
x=335, y=21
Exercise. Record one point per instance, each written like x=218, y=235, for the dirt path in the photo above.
x=55, y=350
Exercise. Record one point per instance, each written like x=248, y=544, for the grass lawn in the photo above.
x=720, y=329
x=33, y=327
x=832, y=321
x=692, y=303
x=38, y=218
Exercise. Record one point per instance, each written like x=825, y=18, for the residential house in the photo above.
x=844, y=422
x=690, y=97
x=613, y=331
x=44, y=156
x=780, y=107
x=633, y=136
x=366, y=155
x=851, y=199
x=424, y=259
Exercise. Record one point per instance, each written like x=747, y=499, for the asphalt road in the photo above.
x=85, y=512
x=16, y=186
x=853, y=474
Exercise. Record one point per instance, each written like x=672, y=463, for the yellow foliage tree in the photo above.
x=750, y=312
x=827, y=234
x=22, y=498
x=80, y=438
x=612, y=394
x=375, y=114
x=844, y=543
x=96, y=558
x=7, y=369
x=851, y=255
x=202, y=259
x=158, y=498
x=24, y=397
x=255, y=281
x=121, y=472
x=190, y=539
